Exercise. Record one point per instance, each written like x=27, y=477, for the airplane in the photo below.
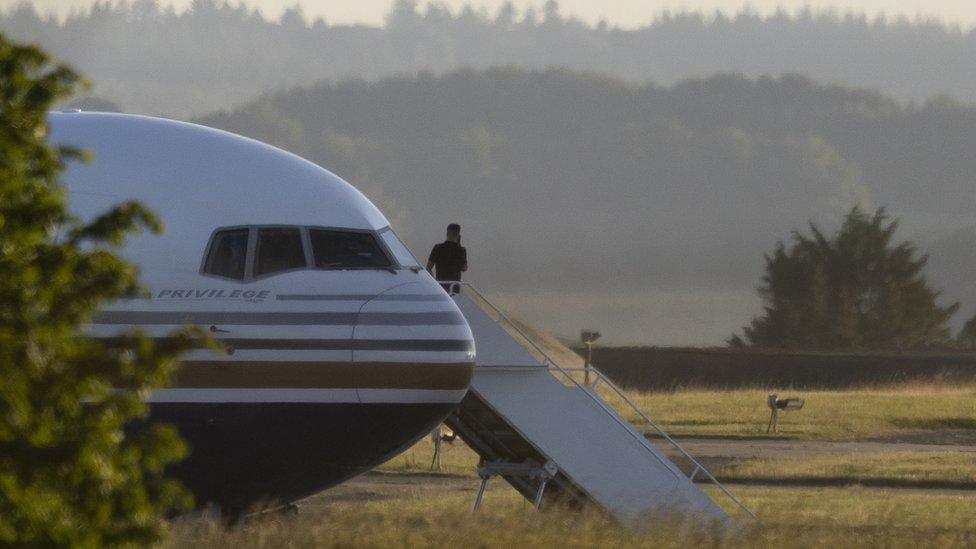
x=341, y=349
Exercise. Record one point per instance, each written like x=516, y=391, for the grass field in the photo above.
x=456, y=459
x=837, y=415
x=919, y=414
x=928, y=469
x=921, y=469
x=802, y=516
x=798, y=518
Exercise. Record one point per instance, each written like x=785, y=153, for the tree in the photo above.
x=550, y=13
x=967, y=335
x=293, y=19
x=505, y=17
x=70, y=472
x=855, y=290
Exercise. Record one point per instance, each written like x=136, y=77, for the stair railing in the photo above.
x=590, y=390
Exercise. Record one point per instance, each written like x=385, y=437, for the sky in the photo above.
x=621, y=13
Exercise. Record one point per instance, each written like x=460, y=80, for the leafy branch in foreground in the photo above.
x=73, y=471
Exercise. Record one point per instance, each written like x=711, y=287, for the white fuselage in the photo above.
x=341, y=350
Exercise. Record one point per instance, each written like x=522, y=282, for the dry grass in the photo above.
x=923, y=469
x=456, y=459
x=795, y=517
x=853, y=508
x=839, y=415
x=900, y=468
x=801, y=518
x=922, y=412
x=946, y=469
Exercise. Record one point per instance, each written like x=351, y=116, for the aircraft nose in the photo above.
x=415, y=339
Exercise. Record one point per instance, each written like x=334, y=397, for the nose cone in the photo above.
x=418, y=343
x=413, y=360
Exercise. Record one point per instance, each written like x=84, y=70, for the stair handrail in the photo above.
x=551, y=364
x=510, y=322
x=699, y=468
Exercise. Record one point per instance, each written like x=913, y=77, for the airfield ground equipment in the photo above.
x=558, y=439
x=530, y=471
x=438, y=437
x=588, y=337
x=776, y=404
x=435, y=437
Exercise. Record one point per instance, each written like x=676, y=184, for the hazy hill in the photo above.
x=953, y=262
x=154, y=60
x=640, y=210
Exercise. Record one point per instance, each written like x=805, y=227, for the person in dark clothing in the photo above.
x=449, y=259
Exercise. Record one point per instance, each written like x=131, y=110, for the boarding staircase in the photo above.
x=552, y=433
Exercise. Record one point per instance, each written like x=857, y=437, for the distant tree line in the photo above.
x=149, y=58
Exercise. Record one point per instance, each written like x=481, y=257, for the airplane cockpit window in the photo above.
x=346, y=250
x=228, y=253
x=278, y=249
x=247, y=253
x=398, y=249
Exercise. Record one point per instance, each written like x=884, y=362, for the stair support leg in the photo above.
x=435, y=437
x=527, y=470
x=480, y=494
x=537, y=502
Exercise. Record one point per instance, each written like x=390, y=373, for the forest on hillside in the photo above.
x=148, y=58
x=572, y=184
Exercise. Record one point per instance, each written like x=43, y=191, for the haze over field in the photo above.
x=634, y=191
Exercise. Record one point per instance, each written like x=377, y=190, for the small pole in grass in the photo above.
x=435, y=437
x=588, y=337
x=771, y=401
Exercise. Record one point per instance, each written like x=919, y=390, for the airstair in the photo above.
x=552, y=433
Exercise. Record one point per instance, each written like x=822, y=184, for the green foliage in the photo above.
x=70, y=474
x=855, y=290
x=967, y=335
